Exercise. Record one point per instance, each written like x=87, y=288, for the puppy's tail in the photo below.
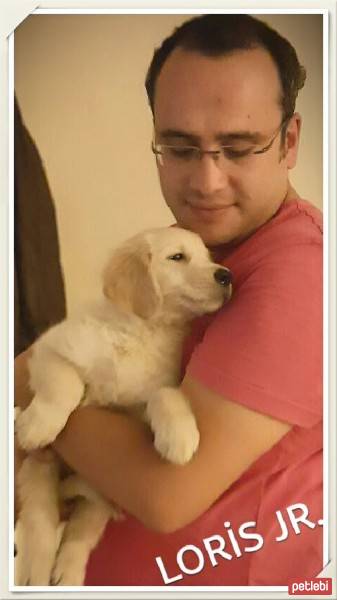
x=74, y=487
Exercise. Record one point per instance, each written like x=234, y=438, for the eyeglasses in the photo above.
x=178, y=155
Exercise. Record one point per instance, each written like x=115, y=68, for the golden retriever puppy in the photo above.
x=123, y=351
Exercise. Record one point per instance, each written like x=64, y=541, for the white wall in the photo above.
x=80, y=84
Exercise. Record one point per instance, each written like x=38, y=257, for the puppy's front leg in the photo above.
x=58, y=391
x=176, y=436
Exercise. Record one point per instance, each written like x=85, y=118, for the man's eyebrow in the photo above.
x=223, y=138
x=167, y=134
x=234, y=136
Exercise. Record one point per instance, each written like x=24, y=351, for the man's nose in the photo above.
x=208, y=176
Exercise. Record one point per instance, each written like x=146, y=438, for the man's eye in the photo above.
x=184, y=153
x=233, y=153
x=178, y=256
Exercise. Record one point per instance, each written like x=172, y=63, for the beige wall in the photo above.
x=79, y=82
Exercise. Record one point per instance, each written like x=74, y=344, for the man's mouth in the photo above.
x=209, y=204
x=207, y=210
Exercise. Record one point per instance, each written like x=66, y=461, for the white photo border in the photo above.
x=19, y=10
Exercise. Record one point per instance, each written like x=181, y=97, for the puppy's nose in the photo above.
x=223, y=276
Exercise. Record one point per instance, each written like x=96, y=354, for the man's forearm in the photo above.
x=115, y=454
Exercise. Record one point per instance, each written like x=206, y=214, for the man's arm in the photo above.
x=115, y=454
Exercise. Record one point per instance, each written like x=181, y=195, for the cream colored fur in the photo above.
x=123, y=351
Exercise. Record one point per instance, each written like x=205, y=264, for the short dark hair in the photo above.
x=219, y=34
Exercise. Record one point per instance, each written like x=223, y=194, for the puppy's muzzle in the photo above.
x=223, y=277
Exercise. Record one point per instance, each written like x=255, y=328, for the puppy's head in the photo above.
x=191, y=284
x=129, y=281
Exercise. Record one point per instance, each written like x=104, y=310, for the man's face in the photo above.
x=210, y=102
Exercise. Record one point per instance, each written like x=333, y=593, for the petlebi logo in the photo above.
x=321, y=586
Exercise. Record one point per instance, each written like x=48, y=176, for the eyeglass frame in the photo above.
x=216, y=153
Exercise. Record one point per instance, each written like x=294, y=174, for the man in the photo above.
x=247, y=509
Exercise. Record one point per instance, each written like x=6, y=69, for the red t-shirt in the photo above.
x=262, y=350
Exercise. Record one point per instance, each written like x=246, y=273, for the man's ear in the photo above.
x=292, y=139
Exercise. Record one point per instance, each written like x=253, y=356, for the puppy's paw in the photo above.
x=70, y=566
x=21, y=569
x=38, y=425
x=177, y=440
x=176, y=436
x=34, y=557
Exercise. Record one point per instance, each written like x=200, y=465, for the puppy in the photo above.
x=124, y=351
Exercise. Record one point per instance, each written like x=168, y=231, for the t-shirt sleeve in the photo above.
x=264, y=349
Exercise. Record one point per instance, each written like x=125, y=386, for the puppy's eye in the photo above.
x=178, y=256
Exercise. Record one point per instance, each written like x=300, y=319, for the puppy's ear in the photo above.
x=129, y=282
